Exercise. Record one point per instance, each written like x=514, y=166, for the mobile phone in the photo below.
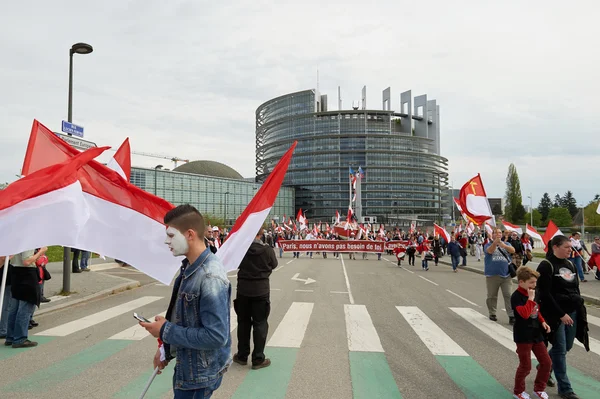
x=141, y=318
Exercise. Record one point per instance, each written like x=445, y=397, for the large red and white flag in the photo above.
x=125, y=221
x=533, y=233
x=250, y=221
x=121, y=162
x=512, y=227
x=51, y=200
x=474, y=202
x=441, y=232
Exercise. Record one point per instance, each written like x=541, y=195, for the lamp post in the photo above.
x=531, y=207
x=155, y=169
x=77, y=48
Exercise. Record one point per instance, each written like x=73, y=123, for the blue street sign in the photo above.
x=71, y=128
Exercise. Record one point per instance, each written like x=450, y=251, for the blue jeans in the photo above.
x=18, y=321
x=198, y=393
x=85, y=259
x=280, y=252
x=562, y=343
x=455, y=261
x=5, y=310
x=579, y=265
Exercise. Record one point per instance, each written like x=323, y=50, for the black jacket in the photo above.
x=255, y=270
x=558, y=291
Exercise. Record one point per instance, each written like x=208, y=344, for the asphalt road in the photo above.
x=362, y=329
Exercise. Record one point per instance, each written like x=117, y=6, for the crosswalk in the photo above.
x=371, y=356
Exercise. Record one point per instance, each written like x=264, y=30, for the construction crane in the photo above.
x=173, y=159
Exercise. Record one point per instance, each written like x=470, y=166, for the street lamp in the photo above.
x=77, y=48
x=157, y=167
x=530, y=196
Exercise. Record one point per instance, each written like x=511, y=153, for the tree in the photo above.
x=513, y=195
x=545, y=206
x=592, y=219
x=560, y=216
x=518, y=216
x=537, y=218
x=557, y=201
x=596, y=198
x=569, y=202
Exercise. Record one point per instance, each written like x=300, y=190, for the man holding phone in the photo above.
x=196, y=328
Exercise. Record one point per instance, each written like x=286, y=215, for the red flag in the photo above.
x=474, y=202
x=512, y=227
x=551, y=231
x=121, y=162
x=441, y=232
x=533, y=232
x=247, y=225
x=125, y=221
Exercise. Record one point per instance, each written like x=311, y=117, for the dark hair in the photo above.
x=186, y=217
x=556, y=241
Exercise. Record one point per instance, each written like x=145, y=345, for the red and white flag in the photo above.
x=350, y=213
x=125, y=221
x=50, y=199
x=512, y=227
x=474, y=202
x=551, y=231
x=300, y=217
x=489, y=230
x=459, y=207
x=470, y=228
x=121, y=162
x=533, y=233
x=250, y=221
x=337, y=217
x=441, y=232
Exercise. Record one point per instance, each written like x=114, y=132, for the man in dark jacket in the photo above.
x=252, y=304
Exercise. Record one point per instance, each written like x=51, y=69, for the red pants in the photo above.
x=541, y=379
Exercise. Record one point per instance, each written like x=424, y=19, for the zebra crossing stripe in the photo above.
x=467, y=374
x=584, y=385
x=369, y=370
x=282, y=349
x=97, y=318
x=361, y=333
x=135, y=333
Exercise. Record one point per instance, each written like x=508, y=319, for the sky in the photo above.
x=516, y=81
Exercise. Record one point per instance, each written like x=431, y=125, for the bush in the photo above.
x=55, y=254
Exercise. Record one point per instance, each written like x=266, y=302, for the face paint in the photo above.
x=176, y=242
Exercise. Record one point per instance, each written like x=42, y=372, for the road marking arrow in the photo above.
x=307, y=281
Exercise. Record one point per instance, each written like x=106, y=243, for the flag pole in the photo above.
x=149, y=383
x=3, y=284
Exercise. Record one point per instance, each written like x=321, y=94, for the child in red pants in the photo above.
x=528, y=334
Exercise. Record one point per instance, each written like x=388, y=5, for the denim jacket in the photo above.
x=199, y=327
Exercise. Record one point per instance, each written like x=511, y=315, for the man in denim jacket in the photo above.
x=196, y=327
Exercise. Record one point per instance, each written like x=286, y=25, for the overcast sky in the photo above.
x=516, y=81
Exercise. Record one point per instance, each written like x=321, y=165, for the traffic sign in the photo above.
x=78, y=143
x=71, y=128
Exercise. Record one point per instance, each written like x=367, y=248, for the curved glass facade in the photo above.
x=405, y=177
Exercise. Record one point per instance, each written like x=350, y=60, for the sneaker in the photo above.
x=569, y=395
x=265, y=363
x=540, y=395
x=8, y=343
x=493, y=317
x=25, y=344
x=522, y=395
x=511, y=321
x=85, y=270
x=33, y=323
x=44, y=300
x=550, y=382
x=239, y=361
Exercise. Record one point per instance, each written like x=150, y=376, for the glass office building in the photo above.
x=406, y=178
x=217, y=196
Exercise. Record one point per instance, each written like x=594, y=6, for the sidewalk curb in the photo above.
x=587, y=298
x=131, y=284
